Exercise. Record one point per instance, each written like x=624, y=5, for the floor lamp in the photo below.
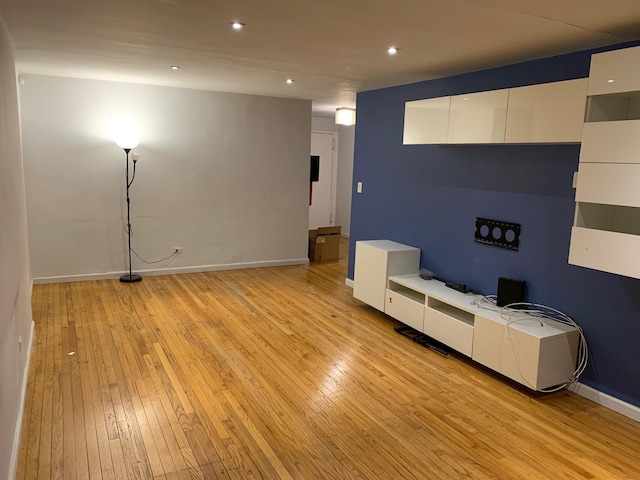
x=127, y=138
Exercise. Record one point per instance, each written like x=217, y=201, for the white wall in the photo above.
x=324, y=124
x=225, y=176
x=346, y=143
x=15, y=278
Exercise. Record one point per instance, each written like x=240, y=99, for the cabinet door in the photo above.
x=478, y=117
x=615, y=71
x=457, y=334
x=547, y=113
x=607, y=251
x=426, y=121
x=609, y=183
x=370, y=275
x=611, y=142
x=408, y=311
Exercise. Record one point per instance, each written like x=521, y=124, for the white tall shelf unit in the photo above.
x=606, y=231
x=537, y=354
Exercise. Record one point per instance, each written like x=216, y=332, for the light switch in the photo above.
x=359, y=188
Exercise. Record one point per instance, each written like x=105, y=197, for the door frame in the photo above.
x=334, y=172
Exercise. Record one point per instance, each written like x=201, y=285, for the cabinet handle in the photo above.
x=390, y=300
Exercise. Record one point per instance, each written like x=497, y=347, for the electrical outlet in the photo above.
x=177, y=249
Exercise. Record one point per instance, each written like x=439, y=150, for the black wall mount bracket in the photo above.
x=497, y=233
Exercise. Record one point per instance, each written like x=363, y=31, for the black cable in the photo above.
x=156, y=261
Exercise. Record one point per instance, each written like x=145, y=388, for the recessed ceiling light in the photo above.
x=289, y=81
x=610, y=81
x=175, y=67
x=237, y=25
x=392, y=50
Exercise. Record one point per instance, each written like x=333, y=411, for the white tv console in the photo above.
x=536, y=353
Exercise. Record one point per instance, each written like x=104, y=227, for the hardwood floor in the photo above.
x=278, y=373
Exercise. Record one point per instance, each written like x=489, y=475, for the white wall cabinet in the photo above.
x=478, y=117
x=606, y=231
x=538, y=354
x=375, y=261
x=426, y=121
x=547, y=113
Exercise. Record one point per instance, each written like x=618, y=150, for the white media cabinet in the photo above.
x=538, y=354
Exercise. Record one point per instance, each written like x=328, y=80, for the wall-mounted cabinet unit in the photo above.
x=426, y=121
x=538, y=354
x=478, y=117
x=606, y=231
x=547, y=113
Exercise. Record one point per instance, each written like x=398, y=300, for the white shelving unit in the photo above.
x=606, y=231
x=536, y=354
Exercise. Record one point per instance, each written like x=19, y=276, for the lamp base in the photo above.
x=130, y=278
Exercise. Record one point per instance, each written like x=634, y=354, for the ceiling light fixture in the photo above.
x=237, y=25
x=345, y=116
x=610, y=81
x=392, y=50
x=289, y=81
x=175, y=67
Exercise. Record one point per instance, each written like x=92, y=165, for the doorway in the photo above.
x=323, y=195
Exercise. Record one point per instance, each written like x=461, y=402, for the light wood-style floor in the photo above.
x=277, y=373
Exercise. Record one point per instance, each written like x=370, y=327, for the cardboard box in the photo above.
x=324, y=244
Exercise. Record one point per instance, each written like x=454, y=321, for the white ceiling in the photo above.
x=332, y=48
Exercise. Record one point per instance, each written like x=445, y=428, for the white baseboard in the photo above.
x=15, y=451
x=343, y=234
x=606, y=400
x=348, y=282
x=171, y=271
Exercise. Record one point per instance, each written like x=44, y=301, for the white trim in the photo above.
x=348, y=282
x=171, y=271
x=343, y=234
x=606, y=400
x=15, y=451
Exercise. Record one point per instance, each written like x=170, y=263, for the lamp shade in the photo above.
x=345, y=116
x=125, y=131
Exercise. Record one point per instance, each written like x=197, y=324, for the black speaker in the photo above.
x=509, y=291
x=315, y=168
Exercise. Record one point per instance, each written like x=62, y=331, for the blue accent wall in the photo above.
x=428, y=196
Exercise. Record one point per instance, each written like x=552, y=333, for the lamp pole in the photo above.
x=129, y=277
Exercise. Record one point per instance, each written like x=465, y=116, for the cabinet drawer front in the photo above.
x=450, y=331
x=611, y=142
x=404, y=309
x=606, y=251
x=608, y=183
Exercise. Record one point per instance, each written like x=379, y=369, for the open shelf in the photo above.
x=451, y=310
x=410, y=293
x=613, y=107
x=610, y=218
